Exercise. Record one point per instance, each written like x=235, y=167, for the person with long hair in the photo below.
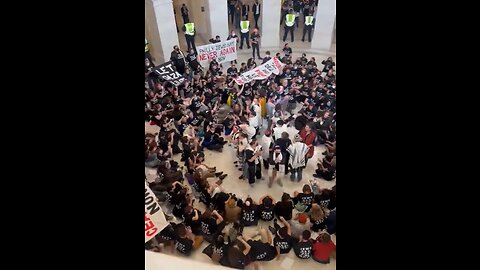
x=317, y=218
x=324, y=249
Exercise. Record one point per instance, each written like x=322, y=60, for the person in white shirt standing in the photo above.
x=279, y=129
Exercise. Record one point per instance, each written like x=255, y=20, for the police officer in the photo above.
x=147, y=52
x=308, y=27
x=244, y=32
x=189, y=29
x=289, y=24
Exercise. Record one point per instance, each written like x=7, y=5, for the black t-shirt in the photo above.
x=237, y=264
x=248, y=155
x=166, y=235
x=232, y=71
x=209, y=226
x=261, y=251
x=250, y=216
x=287, y=51
x=317, y=224
x=284, y=210
x=285, y=244
x=266, y=214
x=184, y=245
x=306, y=199
x=303, y=250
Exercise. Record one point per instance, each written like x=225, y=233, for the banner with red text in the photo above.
x=261, y=72
x=155, y=220
x=221, y=51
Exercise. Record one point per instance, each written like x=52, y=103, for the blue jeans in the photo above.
x=296, y=174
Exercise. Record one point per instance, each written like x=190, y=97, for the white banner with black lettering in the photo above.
x=272, y=66
x=155, y=220
x=221, y=51
x=167, y=72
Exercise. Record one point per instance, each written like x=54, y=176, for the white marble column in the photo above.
x=270, y=27
x=217, y=18
x=324, y=24
x=160, y=21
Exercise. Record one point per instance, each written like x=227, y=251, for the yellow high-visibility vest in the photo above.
x=290, y=19
x=244, y=26
x=146, y=46
x=308, y=20
x=189, y=29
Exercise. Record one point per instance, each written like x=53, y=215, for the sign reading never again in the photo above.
x=167, y=72
x=155, y=220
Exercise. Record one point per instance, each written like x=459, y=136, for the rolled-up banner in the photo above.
x=167, y=72
x=155, y=220
x=221, y=51
x=272, y=66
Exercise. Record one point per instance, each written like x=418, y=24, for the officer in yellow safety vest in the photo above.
x=289, y=22
x=244, y=32
x=308, y=27
x=147, y=52
x=189, y=29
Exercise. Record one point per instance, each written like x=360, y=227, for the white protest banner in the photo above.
x=167, y=72
x=261, y=72
x=221, y=51
x=155, y=220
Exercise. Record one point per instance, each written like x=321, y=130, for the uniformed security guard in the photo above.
x=289, y=22
x=189, y=29
x=308, y=27
x=147, y=52
x=244, y=32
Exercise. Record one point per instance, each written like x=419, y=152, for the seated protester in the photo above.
x=331, y=222
x=250, y=213
x=217, y=250
x=303, y=249
x=324, y=249
x=237, y=254
x=262, y=250
x=211, y=140
x=232, y=210
x=333, y=198
x=219, y=198
x=327, y=173
x=167, y=236
x=179, y=199
x=284, y=207
x=192, y=219
x=267, y=57
x=186, y=240
x=328, y=64
x=322, y=197
x=232, y=70
x=212, y=225
x=317, y=218
x=299, y=224
x=283, y=240
x=266, y=208
x=303, y=201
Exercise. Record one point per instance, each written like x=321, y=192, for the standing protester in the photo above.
x=256, y=9
x=189, y=29
x=255, y=39
x=245, y=9
x=298, y=151
x=308, y=27
x=178, y=59
x=244, y=32
x=289, y=22
x=231, y=9
x=184, y=11
x=193, y=61
x=233, y=35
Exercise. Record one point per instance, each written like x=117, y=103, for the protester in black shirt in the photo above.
x=217, y=250
x=303, y=249
x=186, y=240
x=284, y=207
x=328, y=64
x=255, y=43
x=178, y=59
x=305, y=198
x=266, y=208
x=192, y=60
x=232, y=70
x=250, y=213
x=262, y=250
x=283, y=240
x=287, y=50
x=192, y=219
x=250, y=157
x=212, y=225
x=317, y=218
x=237, y=253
